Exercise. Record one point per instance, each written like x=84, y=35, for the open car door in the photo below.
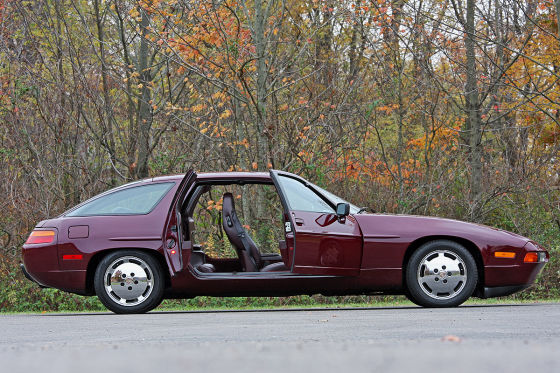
x=324, y=244
x=173, y=235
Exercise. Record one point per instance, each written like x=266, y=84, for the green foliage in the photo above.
x=164, y=163
x=368, y=102
x=21, y=295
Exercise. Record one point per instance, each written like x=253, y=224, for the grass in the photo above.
x=397, y=302
x=248, y=304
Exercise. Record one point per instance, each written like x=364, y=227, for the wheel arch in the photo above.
x=469, y=245
x=98, y=257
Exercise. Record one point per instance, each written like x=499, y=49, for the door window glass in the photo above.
x=301, y=198
x=336, y=199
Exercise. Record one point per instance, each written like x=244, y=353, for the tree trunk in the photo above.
x=132, y=132
x=144, y=117
x=108, y=133
x=261, y=109
x=473, y=127
x=557, y=5
x=262, y=73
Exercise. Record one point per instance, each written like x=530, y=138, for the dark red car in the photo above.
x=266, y=234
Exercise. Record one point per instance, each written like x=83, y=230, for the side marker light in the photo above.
x=504, y=254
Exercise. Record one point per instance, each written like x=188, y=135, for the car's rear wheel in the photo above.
x=441, y=273
x=129, y=281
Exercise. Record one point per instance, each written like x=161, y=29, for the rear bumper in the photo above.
x=40, y=265
x=29, y=277
x=70, y=281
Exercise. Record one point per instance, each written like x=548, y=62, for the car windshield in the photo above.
x=335, y=199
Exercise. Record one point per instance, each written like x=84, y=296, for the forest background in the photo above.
x=433, y=107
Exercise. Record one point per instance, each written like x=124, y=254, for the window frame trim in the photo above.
x=188, y=205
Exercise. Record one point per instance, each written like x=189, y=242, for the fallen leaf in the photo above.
x=451, y=338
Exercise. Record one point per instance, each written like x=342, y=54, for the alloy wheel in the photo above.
x=442, y=274
x=128, y=281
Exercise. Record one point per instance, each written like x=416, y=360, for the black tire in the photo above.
x=441, y=273
x=129, y=281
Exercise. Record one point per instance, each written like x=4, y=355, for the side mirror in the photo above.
x=342, y=210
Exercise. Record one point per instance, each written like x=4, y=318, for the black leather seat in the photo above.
x=274, y=267
x=246, y=249
x=206, y=268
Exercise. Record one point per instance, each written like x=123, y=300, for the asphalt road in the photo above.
x=519, y=338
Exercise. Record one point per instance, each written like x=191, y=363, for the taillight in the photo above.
x=43, y=236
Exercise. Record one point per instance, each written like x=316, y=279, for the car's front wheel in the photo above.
x=441, y=273
x=129, y=281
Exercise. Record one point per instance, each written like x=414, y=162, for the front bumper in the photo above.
x=512, y=275
x=500, y=291
x=504, y=272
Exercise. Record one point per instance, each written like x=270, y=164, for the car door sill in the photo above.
x=254, y=275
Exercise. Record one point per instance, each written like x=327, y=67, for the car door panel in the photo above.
x=173, y=240
x=325, y=245
x=322, y=244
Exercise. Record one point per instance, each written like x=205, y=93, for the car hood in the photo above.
x=413, y=227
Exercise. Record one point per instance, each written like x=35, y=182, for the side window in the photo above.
x=259, y=209
x=301, y=198
x=131, y=201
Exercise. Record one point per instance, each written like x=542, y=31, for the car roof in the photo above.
x=231, y=176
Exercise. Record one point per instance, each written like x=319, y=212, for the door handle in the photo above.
x=299, y=221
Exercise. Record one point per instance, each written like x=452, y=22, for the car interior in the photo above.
x=223, y=242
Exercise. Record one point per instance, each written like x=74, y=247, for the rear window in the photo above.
x=138, y=200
